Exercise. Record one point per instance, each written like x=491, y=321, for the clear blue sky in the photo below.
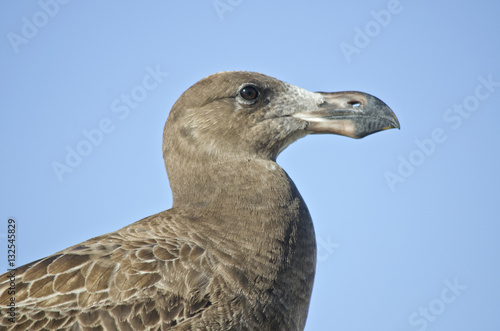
x=407, y=221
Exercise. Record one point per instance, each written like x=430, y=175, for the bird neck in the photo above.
x=251, y=213
x=229, y=183
x=248, y=200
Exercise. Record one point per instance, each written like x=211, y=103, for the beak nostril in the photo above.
x=355, y=104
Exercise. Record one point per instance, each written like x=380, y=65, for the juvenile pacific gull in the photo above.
x=237, y=249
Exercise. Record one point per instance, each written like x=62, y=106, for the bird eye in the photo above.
x=249, y=93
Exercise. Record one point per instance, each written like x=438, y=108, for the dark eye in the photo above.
x=249, y=93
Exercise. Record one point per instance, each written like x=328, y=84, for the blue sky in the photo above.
x=407, y=221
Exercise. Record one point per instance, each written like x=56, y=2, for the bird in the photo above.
x=237, y=249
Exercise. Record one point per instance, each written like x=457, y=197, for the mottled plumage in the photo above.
x=237, y=249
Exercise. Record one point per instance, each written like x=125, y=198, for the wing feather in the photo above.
x=144, y=276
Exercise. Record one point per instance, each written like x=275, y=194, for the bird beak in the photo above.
x=351, y=114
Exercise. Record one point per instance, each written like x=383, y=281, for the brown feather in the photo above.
x=236, y=251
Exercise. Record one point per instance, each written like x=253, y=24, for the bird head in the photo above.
x=239, y=114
